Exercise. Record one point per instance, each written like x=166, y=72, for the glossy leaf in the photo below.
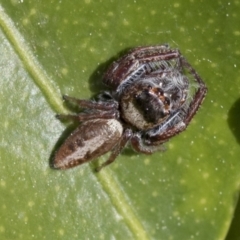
x=49, y=48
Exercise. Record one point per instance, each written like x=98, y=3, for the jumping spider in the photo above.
x=155, y=94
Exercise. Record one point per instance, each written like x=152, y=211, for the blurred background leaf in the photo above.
x=53, y=47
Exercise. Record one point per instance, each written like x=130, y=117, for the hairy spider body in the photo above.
x=155, y=93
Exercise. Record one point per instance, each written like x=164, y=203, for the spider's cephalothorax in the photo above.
x=149, y=101
x=155, y=93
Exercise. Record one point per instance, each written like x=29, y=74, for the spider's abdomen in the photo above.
x=90, y=140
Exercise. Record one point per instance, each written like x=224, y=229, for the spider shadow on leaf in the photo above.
x=95, y=80
x=234, y=119
x=60, y=141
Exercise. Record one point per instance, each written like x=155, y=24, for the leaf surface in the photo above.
x=49, y=48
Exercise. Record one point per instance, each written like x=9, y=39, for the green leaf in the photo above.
x=49, y=48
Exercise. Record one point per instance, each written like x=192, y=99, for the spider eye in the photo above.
x=157, y=91
x=166, y=101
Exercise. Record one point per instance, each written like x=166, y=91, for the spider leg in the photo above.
x=186, y=116
x=89, y=116
x=107, y=105
x=117, y=149
x=139, y=145
x=96, y=110
x=200, y=93
x=137, y=63
x=191, y=70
